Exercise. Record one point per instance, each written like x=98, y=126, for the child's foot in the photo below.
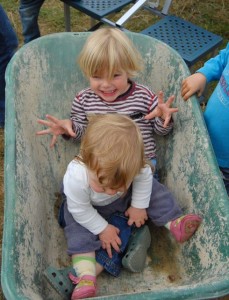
x=85, y=286
x=135, y=257
x=184, y=227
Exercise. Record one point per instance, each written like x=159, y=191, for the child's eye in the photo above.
x=117, y=75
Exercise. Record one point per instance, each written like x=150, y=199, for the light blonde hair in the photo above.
x=109, y=49
x=112, y=148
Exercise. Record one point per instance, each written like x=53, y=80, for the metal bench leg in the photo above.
x=67, y=17
x=130, y=12
x=166, y=7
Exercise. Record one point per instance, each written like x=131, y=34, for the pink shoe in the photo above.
x=184, y=227
x=85, y=286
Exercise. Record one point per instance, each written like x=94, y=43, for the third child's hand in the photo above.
x=110, y=239
x=195, y=83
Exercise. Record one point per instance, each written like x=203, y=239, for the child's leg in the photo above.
x=29, y=12
x=164, y=211
x=84, y=264
x=85, y=267
x=81, y=245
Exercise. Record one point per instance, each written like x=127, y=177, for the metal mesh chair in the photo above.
x=97, y=10
x=190, y=41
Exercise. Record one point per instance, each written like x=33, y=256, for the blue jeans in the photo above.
x=8, y=45
x=111, y=265
x=225, y=173
x=29, y=12
x=154, y=163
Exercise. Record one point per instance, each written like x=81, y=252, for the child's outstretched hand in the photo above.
x=110, y=239
x=56, y=127
x=195, y=83
x=137, y=216
x=163, y=109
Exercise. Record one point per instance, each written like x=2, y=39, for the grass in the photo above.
x=211, y=15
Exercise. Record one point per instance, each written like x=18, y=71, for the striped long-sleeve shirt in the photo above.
x=137, y=102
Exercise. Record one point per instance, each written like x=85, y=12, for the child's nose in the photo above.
x=111, y=192
x=106, y=82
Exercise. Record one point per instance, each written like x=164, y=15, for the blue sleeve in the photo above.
x=214, y=67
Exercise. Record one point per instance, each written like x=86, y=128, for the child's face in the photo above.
x=109, y=89
x=98, y=188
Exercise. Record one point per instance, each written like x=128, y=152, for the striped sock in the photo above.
x=84, y=265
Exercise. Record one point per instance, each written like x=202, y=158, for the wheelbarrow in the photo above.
x=43, y=77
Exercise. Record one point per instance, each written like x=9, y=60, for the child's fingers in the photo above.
x=151, y=115
x=185, y=91
x=160, y=97
x=138, y=224
x=130, y=222
x=187, y=95
x=53, y=141
x=109, y=251
x=43, y=132
x=184, y=88
x=173, y=110
x=170, y=100
x=116, y=247
x=52, y=118
x=166, y=122
x=44, y=122
x=107, y=247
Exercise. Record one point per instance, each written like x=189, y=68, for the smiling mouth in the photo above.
x=108, y=92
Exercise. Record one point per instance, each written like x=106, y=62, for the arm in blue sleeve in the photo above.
x=214, y=67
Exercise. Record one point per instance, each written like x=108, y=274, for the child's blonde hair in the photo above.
x=112, y=148
x=109, y=49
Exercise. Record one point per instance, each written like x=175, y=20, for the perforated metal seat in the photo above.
x=95, y=9
x=190, y=41
x=98, y=9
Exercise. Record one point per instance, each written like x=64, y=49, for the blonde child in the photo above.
x=110, y=61
x=109, y=176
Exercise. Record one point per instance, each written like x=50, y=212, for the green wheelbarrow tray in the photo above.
x=43, y=77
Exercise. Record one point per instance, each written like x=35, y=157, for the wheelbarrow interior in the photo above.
x=42, y=78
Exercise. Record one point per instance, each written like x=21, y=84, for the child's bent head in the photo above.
x=109, y=49
x=112, y=148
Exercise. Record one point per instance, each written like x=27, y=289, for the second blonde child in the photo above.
x=109, y=178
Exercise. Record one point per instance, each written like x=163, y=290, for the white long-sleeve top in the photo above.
x=81, y=198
